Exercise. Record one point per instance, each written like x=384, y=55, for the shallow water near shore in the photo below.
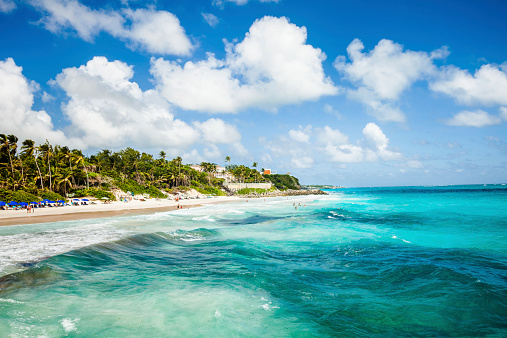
x=416, y=261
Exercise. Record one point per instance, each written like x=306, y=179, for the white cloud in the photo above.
x=16, y=114
x=302, y=162
x=71, y=14
x=301, y=135
x=7, y=6
x=384, y=73
x=477, y=119
x=210, y=19
x=336, y=146
x=331, y=145
x=106, y=109
x=157, y=32
x=503, y=113
x=154, y=31
x=47, y=97
x=488, y=85
x=328, y=135
x=376, y=144
x=218, y=132
x=344, y=153
x=271, y=67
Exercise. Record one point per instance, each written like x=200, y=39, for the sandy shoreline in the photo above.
x=99, y=210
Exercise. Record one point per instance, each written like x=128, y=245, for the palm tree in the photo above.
x=47, y=153
x=162, y=155
x=254, y=165
x=80, y=159
x=28, y=149
x=13, y=142
x=178, y=161
x=64, y=178
x=6, y=145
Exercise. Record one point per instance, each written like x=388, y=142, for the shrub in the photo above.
x=17, y=196
x=50, y=195
x=283, y=182
x=97, y=193
x=209, y=190
x=246, y=191
x=138, y=189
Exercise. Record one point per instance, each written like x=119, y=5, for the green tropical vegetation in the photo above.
x=30, y=172
x=283, y=182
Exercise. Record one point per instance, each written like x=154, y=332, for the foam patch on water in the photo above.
x=203, y=218
x=404, y=240
x=12, y=301
x=22, y=250
x=69, y=325
x=236, y=212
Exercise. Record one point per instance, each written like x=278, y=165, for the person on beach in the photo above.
x=28, y=209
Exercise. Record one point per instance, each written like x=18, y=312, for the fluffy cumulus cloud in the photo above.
x=272, y=66
x=147, y=29
x=7, y=6
x=218, y=132
x=487, y=86
x=301, y=135
x=330, y=145
x=377, y=144
x=478, y=118
x=157, y=32
x=383, y=74
x=107, y=109
x=16, y=114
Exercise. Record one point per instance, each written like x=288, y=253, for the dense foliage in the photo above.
x=249, y=191
x=17, y=196
x=283, y=182
x=34, y=172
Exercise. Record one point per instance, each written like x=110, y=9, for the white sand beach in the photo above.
x=99, y=209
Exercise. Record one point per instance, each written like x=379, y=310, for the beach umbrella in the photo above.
x=52, y=202
x=24, y=204
x=60, y=201
x=85, y=200
x=104, y=198
x=2, y=203
x=12, y=203
x=76, y=200
x=34, y=202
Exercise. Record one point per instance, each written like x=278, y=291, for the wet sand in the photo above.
x=98, y=210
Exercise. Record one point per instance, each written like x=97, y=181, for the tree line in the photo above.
x=34, y=168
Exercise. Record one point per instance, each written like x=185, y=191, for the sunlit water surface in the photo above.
x=419, y=261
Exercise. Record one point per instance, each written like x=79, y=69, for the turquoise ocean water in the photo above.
x=373, y=262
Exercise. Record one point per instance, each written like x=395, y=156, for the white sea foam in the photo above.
x=32, y=247
x=7, y=300
x=203, y=218
x=69, y=325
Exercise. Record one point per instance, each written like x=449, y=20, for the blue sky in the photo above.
x=352, y=93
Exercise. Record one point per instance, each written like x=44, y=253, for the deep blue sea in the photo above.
x=364, y=262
